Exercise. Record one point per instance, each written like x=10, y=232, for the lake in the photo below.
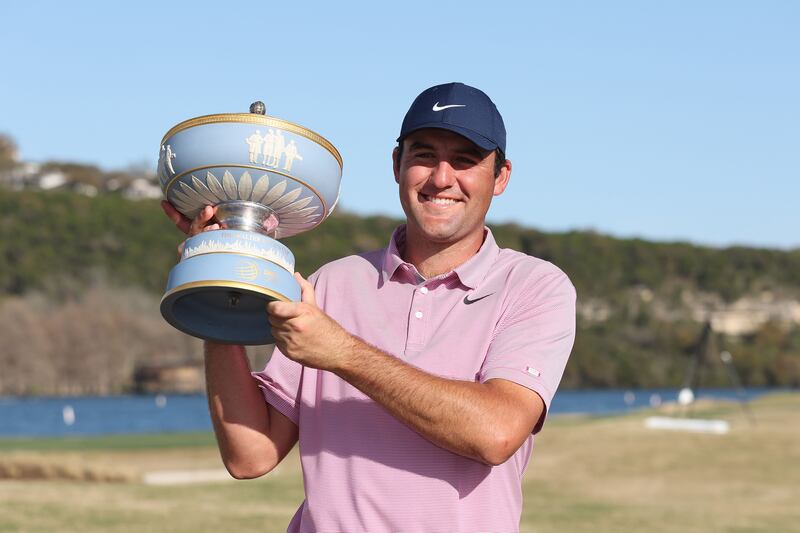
x=103, y=415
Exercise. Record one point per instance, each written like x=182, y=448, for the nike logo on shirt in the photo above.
x=437, y=107
x=468, y=301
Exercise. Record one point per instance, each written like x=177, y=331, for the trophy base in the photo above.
x=222, y=296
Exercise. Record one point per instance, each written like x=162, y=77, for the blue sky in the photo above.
x=671, y=120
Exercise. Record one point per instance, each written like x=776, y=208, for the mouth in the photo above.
x=439, y=201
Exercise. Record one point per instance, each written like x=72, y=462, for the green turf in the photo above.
x=109, y=442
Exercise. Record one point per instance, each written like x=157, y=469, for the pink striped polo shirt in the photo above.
x=502, y=314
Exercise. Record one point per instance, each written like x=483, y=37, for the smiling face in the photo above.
x=446, y=187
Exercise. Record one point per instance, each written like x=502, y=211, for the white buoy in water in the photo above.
x=685, y=396
x=655, y=400
x=161, y=401
x=629, y=397
x=68, y=415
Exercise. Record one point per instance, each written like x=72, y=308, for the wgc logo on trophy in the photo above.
x=268, y=178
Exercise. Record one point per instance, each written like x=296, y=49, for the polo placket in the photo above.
x=419, y=317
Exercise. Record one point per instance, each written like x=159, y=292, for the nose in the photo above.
x=442, y=175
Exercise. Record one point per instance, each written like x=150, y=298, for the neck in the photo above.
x=432, y=259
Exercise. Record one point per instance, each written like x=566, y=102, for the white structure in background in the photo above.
x=141, y=188
x=51, y=180
x=695, y=425
x=718, y=427
x=186, y=477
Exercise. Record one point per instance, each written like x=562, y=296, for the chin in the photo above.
x=441, y=234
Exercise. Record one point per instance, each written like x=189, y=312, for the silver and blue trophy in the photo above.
x=268, y=179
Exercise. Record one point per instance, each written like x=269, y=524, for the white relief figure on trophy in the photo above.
x=269, y=143
x=277, y=149
x=254, y=143
x=165, y=158
x=291, y=154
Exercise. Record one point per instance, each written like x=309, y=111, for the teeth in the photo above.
x=441, y=201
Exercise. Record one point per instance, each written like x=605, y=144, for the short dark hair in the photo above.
x=499, y=158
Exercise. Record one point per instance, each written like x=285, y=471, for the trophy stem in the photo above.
x=247, y=216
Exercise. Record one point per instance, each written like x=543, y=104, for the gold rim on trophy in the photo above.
x=253, y=118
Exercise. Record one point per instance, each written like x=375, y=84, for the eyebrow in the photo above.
x=471, y=151
x=416, y=145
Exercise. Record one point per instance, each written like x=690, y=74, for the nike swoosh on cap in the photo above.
x=437, y=107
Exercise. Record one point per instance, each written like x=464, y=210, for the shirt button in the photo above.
x=418, y=314
x=424, y=290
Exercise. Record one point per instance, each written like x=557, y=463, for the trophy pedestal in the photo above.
x=221, y=286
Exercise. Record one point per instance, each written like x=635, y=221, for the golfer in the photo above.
x=414, y=377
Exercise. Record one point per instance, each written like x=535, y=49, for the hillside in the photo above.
x=69, y=260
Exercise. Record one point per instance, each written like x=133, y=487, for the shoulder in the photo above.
x=340, y=280
x=534, y=293
x=528, y=273
x=359, y=269
x=363, y=263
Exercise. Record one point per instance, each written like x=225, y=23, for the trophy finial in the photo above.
x=258, y=108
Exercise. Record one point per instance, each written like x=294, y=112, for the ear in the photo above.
x=396, y=165
x=501, y=181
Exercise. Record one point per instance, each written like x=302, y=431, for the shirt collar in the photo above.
x=392, y=258
x=470, y=273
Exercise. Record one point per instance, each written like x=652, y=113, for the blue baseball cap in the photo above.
x=461, y=109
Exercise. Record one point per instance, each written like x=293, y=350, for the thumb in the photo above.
x=307, y=290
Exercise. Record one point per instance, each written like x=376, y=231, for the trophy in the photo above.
x=268, y=179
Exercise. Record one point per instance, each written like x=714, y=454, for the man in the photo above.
x=415, y=394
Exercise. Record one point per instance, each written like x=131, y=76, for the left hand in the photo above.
x=304, y=333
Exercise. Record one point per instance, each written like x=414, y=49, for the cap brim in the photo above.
x=476, y=138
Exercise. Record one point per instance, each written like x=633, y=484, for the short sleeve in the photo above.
x=534, y=337
x=280, y=383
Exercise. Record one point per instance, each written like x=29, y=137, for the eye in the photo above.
x=465, y=161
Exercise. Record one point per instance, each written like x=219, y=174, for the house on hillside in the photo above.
x=142, y=188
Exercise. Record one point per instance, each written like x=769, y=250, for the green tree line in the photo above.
x=55, y=243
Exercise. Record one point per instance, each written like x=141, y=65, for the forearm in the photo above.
x=238, y=412
x=464, y=417
x=483, y=421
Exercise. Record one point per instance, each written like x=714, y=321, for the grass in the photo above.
x=110, y=442
x=587, y=474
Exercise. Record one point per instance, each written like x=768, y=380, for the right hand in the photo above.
x=191, y=228
x=202, y=222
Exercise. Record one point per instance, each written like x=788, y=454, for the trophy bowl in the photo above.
x=268, y=179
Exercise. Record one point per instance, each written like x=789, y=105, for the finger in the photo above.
x=279, y=324
x=180, y=221
x=307, y=290
x=200, y=221
x=283, y=310
x=211, y=227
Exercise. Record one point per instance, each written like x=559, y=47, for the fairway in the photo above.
x=587, y=474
